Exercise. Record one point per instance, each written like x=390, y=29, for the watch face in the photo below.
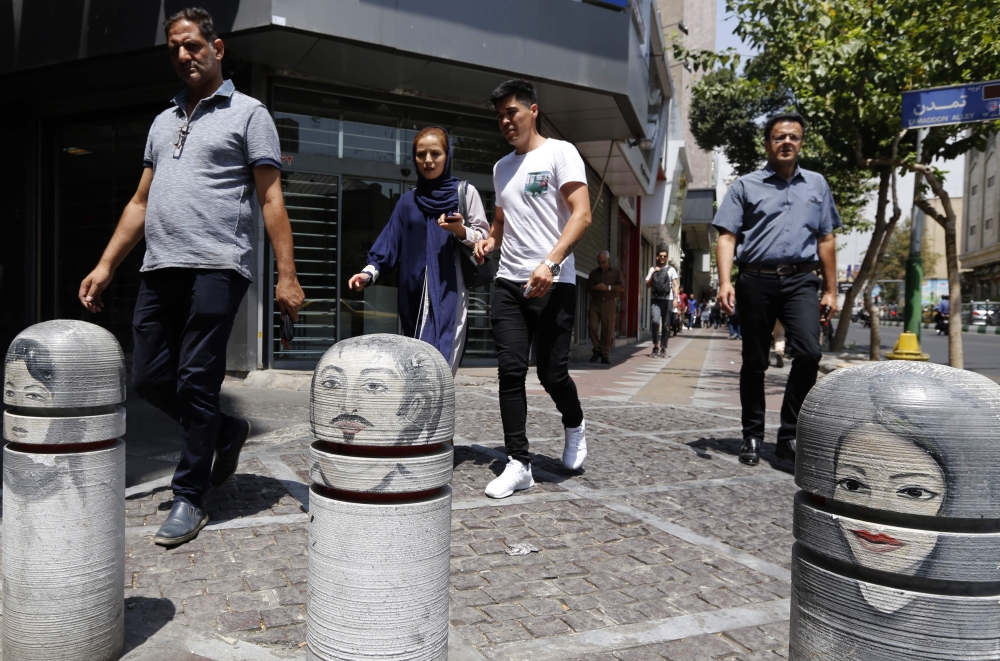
x=555, y=270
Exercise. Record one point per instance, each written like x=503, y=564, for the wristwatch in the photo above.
x=555, y=268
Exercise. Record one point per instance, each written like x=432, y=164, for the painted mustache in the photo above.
x=877, y=542
x=349, y=423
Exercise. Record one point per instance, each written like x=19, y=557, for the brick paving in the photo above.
x=664, y=547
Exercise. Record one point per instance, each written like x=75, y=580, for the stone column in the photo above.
x=383, y=412
x=64, y=495
x=898, y=521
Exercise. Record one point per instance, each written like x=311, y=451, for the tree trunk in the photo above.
x=956, y=357
x=875, y=350
x=862, y=276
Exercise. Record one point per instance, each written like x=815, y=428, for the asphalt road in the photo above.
x=982, y=352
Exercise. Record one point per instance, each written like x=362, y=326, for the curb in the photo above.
x=966, y=328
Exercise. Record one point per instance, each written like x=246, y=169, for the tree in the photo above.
x=893, y=266
x=846, y=64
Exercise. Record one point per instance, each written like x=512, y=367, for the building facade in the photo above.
x=349, y=83
x=980, y=239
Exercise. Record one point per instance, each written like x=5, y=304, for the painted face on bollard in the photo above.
x=362, y=392
x=911, y=483
x=24, y=386
x=377, y=392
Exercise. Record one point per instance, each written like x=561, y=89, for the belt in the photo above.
x=774, y=269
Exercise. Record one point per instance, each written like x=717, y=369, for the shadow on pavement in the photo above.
x=144, y=616
x=731, y=446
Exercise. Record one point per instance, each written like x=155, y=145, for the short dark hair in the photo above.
x=196, y=15
x=521, y=90
x=784, y=117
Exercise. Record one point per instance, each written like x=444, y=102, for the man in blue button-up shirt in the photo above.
x=777, y=223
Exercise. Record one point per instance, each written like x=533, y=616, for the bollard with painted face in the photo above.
x=898, y=526
x=382, y=409
x=64, y=494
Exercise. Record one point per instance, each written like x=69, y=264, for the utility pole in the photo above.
x=912, y=312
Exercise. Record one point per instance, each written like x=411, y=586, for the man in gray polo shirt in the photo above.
x=778, y=223
x=208, y=160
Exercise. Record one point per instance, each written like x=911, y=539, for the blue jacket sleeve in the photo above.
x=384, y=254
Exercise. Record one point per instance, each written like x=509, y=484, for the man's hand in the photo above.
x=289, y=295
x=829, y=298
x=92, y=286
x=540, y=281
x=656, y=269
x=483, y=249
x=727, y=298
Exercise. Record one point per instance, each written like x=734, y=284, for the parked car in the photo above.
x=981, y=313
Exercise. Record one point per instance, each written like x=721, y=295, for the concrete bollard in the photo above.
x=64, y=495
x=382, y=410
x=898, y=524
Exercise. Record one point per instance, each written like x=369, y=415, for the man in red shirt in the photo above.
x=682, y=308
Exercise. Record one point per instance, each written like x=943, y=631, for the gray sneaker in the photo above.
x=183, y=524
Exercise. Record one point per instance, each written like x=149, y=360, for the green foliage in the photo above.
x=724, y=111
x=893, y=265
x=844, y=64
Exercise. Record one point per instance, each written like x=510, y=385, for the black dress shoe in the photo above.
x=595, y=357
x=183, y=524
x=785, y=450
x=605, y=360
x=227, y=460
x=750, y=452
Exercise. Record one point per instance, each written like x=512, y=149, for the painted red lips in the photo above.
x=877, y=542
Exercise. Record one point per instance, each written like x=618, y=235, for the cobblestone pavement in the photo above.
x=664, y=547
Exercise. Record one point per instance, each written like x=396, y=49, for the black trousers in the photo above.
x=181, y=326
x=760, y=299
x=661, y=315
x=548, y=321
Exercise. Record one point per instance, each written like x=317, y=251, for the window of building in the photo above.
x=992, y=180
x=975, y=189
x=972, y=230
x=988, y=224
x=342, y=126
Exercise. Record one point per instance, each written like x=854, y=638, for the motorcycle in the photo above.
x=941, y=327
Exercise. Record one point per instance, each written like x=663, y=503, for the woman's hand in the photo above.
x=453, y=223
x=483, y=249
x=358, y=282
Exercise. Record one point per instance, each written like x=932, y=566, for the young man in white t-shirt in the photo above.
x=542, y=212
x=662, y=281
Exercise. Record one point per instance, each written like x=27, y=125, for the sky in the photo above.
x=724, y=26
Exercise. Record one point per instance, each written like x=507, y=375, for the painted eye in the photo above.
x=852, y=485
x=330, y=383
x=34, y=396
x=916, y=493
x=374, y=388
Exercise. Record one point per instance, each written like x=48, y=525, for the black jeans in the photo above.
x=181, y=326
x=760, y=299
x=548, y=321
x=661, y=314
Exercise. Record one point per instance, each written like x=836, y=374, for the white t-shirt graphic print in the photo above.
x=534, y=212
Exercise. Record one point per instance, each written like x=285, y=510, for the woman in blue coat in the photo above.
x=420, y=240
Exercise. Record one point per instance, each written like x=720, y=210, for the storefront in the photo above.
x=345, y=135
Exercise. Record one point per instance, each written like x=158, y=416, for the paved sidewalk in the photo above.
x=664, y=547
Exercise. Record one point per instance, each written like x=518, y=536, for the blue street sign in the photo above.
x=957, y=104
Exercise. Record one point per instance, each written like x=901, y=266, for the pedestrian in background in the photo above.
x=606, y=284
x=542, y=212
x=419, y=240
x=662, y=283
x=777, y=223
x=779, y=344
x=209, y=160
x=692, y=311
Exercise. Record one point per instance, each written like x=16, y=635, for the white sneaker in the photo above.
x=575, y=450
x=515, y=477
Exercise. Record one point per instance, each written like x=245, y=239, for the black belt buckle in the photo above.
x=786, y=269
